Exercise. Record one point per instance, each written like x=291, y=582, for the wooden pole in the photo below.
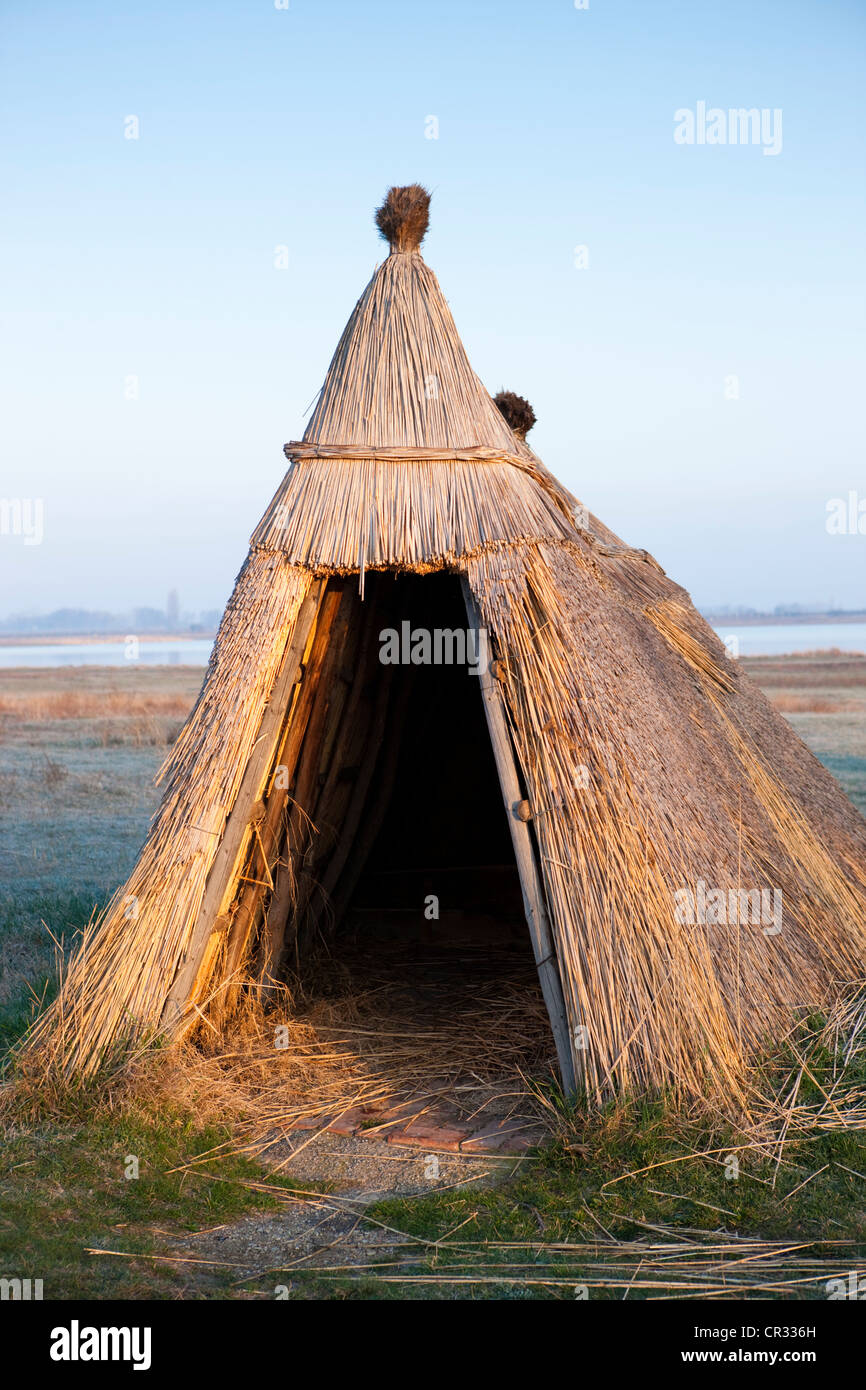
x=379, y=789
x=524, y=852
x=343, y=796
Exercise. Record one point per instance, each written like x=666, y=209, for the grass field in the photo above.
x=79, y=748
x=824, y=698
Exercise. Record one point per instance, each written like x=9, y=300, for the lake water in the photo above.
x=192, y=651
x=772, y=639
x=778, y=639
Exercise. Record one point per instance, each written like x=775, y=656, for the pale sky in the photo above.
x=260, y=127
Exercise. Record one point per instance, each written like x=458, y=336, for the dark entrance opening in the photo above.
x=441, y=866
x=418, y=953
x=388, y=927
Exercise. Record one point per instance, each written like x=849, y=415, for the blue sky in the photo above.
x=262, y=127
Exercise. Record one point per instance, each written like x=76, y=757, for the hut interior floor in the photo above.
x=429, y=1039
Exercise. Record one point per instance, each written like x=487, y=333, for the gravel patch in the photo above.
x=327, y=1229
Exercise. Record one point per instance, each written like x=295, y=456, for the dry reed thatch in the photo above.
x=635, y=799
x=372, y=1036
x=650, y=762
x=115, y=987
x=400, y=374
x=401, y=514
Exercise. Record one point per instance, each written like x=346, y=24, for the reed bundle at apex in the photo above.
x=596, y=780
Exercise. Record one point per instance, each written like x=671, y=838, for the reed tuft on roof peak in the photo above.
x=516, y=412
x=403, y=217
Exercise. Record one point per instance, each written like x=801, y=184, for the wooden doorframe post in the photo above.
x=532, y=886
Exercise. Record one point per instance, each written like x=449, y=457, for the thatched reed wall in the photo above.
x=650, y=763
x=116, y=984
x=643, y=782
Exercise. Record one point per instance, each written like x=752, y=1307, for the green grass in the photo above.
x=839, y=742
x=63, y=1190
x=632, y=1173
x=62, y=1183
x=563, y=1197
x=27, y=952
x=639, y=1172
x=850, y=773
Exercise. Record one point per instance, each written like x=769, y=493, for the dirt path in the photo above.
x=343, y=1177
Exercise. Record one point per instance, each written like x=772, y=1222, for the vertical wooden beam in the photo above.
x=274, y=928
x=379, y=787
x=281, y=917
x=524, y=852
x=236, y=833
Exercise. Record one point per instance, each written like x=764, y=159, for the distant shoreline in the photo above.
x=776, y=620
x=71, y=639
x=76, y=639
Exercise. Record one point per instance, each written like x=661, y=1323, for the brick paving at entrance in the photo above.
x=416, y=1124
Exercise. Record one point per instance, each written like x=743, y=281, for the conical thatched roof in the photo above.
x=400, y=377
x=406, y=452
x=653, y=772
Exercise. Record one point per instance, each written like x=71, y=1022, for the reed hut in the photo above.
x=689, y=875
